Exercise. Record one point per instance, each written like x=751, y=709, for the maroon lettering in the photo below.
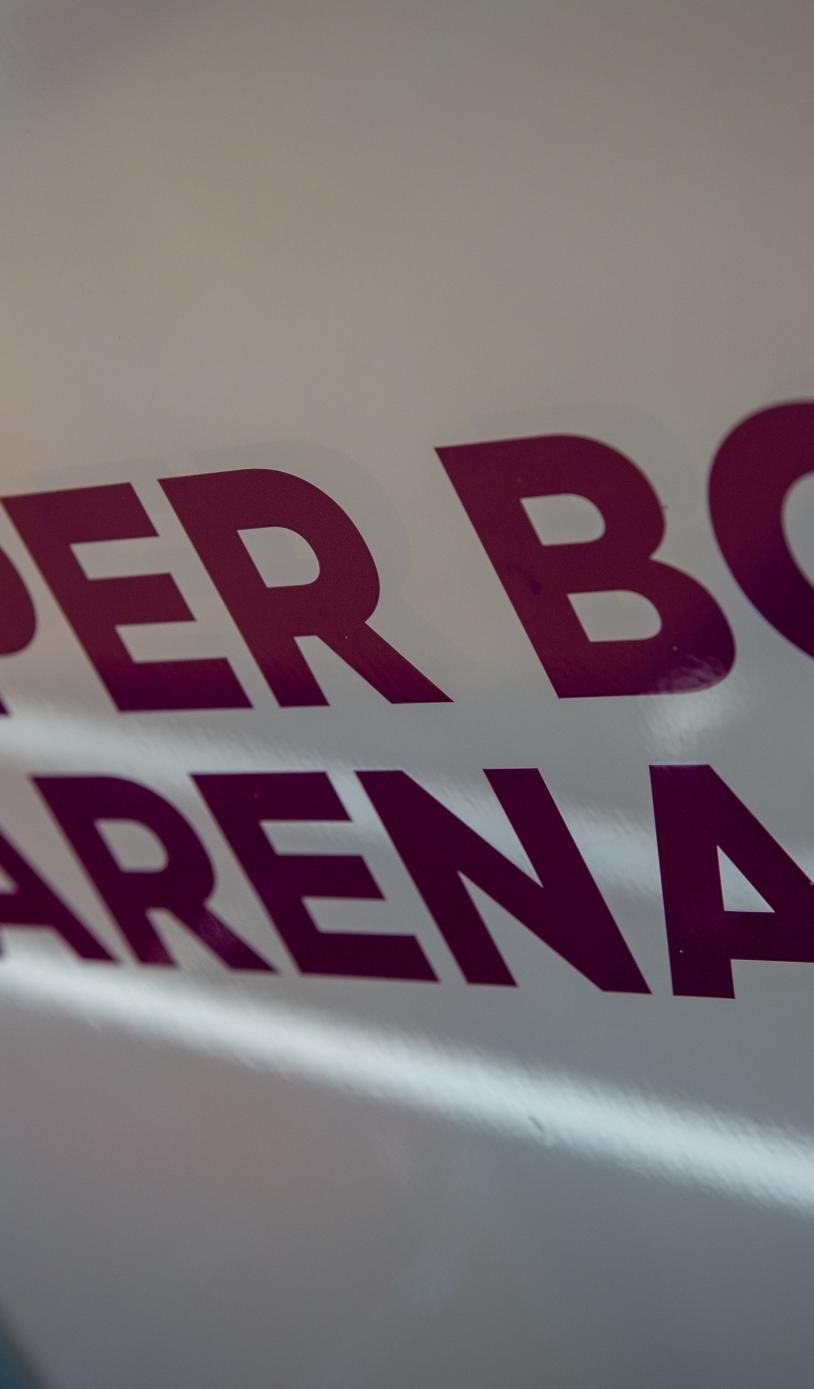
x=568, y=913
x=696, y=814
x=214, y=507
x=33, y=903
x=694, y=646
x=751, y=476
x=50, y=523
x=18, y=621
x=182, y=886
x=241, y=804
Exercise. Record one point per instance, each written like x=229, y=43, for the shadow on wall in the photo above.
x=15, y=1373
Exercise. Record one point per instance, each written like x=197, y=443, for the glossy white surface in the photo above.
x=328, y=238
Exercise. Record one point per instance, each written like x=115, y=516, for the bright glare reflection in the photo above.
x=719, y=1151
